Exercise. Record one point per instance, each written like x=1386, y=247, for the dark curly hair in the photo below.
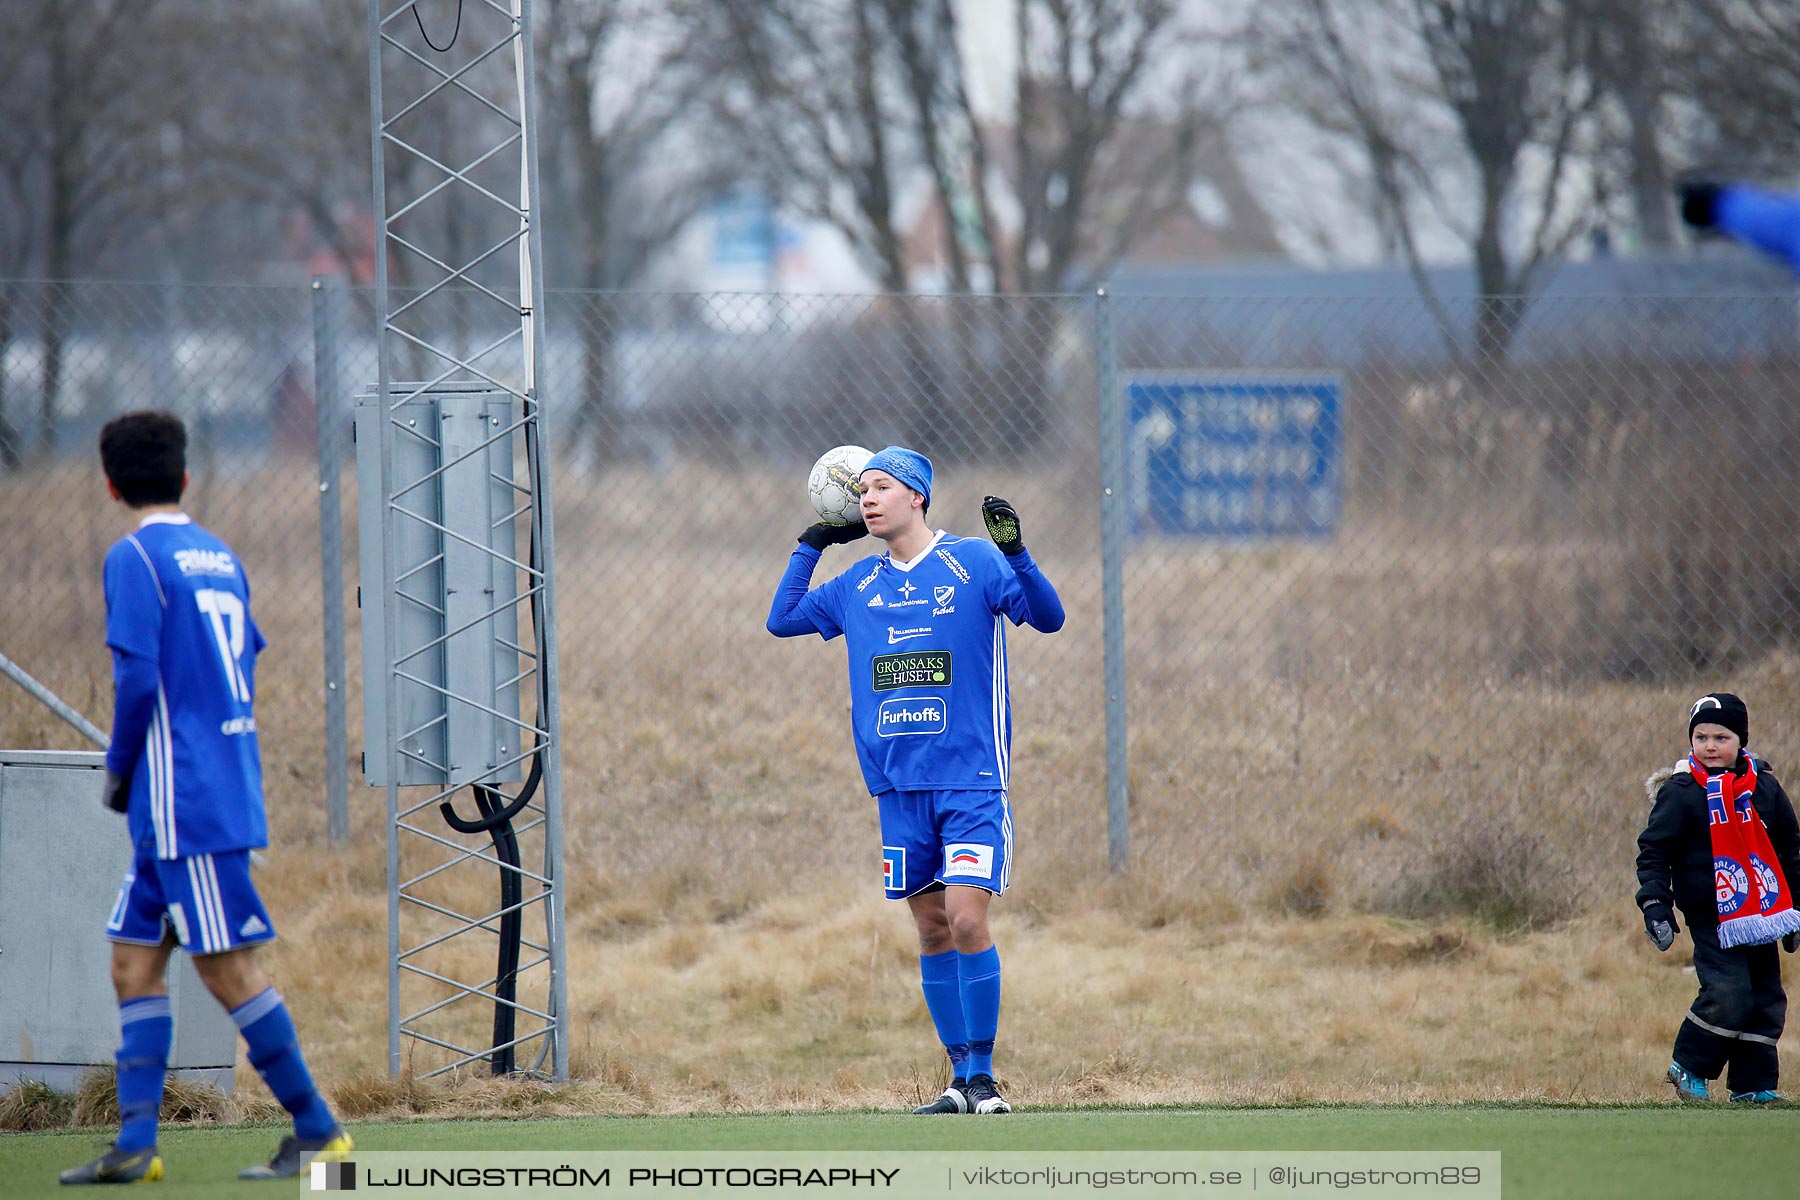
x=145, y=456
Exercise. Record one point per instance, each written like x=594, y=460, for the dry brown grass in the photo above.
x=1376, y=855
x=31, y=1105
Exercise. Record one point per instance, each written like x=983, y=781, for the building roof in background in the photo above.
x=1706, y=307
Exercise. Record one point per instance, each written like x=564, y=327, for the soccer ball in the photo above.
x=832, y=486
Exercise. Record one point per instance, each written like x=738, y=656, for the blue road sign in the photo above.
x=1235, y=456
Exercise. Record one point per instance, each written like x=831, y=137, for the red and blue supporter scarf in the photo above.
x=1755, y=906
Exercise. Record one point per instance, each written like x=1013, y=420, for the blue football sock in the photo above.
x=146, y=1029
x=980, y=978
x=275, y=1053
x=943, y=998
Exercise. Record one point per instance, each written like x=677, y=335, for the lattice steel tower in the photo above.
x=458, y=586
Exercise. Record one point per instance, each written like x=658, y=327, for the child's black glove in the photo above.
x=1790, y=942
x=1699, y=200
x=1660, y=926
x=822, y=535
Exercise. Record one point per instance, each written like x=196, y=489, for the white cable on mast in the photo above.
x=527, y=318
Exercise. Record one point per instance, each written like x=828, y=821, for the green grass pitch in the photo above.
x=1548, y=1151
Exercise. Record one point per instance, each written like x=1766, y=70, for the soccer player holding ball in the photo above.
x=184, y=768
x=932, y=719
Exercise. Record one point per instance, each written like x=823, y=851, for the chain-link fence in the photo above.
x=1414, y=594
x=237, y=364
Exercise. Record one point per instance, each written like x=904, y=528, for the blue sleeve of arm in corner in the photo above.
x=1042, y=608
x=1770, y=221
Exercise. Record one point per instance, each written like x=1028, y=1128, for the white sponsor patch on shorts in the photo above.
x=969, y=858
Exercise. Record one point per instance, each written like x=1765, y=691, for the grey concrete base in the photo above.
x=62, y=858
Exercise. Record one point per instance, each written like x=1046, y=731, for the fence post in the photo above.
x=1113, y=499
x=328, y=404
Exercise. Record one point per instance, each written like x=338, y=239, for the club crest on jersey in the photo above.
x=893, y=868
x=943, y=594
x=972, y=859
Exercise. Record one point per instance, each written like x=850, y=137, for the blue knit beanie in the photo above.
x=908, y=466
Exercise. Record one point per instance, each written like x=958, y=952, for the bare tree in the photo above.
x=17, y=221
x=1632, y=56
x=1095, y=164
x=817, y=101
x=930, y=66
x=287, y=128
x=1470, y=113
x=853, y=102
x=1741, y=70
x=821, y=110
x=92, y=87
x=626, y=86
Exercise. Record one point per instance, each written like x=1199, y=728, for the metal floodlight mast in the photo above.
x=455, y=476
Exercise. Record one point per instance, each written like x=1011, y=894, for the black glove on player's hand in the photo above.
x=115, y=793
x=1660, y=926
x=1002, y=525
x=822, y=535
x=1699, y=200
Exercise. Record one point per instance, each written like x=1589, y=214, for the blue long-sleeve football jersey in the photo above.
x=926, y=643
x=184, y=661
x=1770, y=221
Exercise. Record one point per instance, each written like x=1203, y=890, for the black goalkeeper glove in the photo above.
x=1699, y=200
x=822, y=535
x=1660, y=926
x=1002, y=525
x=115, y=793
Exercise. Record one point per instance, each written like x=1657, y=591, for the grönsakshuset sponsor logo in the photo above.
x=923, y=668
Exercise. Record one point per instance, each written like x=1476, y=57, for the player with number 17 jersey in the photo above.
x=926, y=641
x=178, y=611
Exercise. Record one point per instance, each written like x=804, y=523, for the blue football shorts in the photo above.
x=206, y=900
x=944, y=837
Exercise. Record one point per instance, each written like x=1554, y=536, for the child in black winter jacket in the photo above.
x=1723, y=846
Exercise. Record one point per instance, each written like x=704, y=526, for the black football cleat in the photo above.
x=295, y=1154
x=118, y=1166
x=954, y=1100
x=984, y=1097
